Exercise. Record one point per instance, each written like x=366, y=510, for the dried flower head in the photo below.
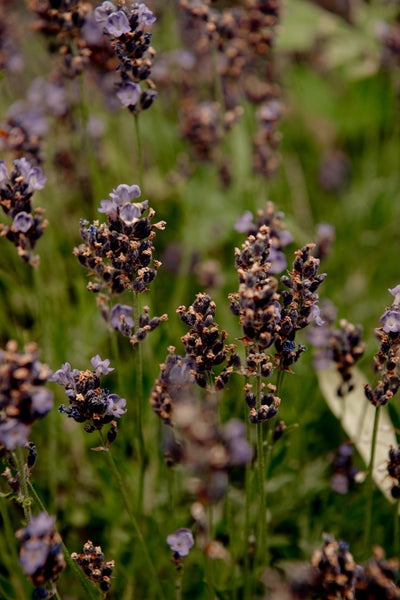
x=92, y=563
x=126, y=26
x=387, y=357
x=23, y=397
x=16, y=192
x=41, y=556
x=88, y=402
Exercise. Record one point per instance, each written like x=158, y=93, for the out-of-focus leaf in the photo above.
x=356, y=415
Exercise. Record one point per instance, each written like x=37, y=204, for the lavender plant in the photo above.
x=88, y=402
x=16, y=190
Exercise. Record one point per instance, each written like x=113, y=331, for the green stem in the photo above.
x=370, y=482
x=261, y=475
x=118, y=478
x=25, y=498
x=11, y=556
x=248, y=481
x=396, y=530
x=140, y=153
x=279, y=381
x=139, y=408
x=178, y=585
x=208, y=559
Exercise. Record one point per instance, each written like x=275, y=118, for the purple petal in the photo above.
x=391, y=321
x=23, y=221
x=13, y=434
x=117, y=24
x=3, y=172
x=101, y=366
x=33, y=556
x=129, y=93
x=244, y=223
x=181, y=541
x=145, y=16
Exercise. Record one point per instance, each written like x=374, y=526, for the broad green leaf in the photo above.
x=356, y=415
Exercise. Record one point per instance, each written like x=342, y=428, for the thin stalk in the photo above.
x=91, y=592
x=370, y=482
x=261, y=474
x=139, y=413
x=127, y=503
x=248, y=480
x=25, y=498
x=208, y=560
x=396, y=529
x=279, y=381
x=140, y=153
x=11, y=556
x=178, y=585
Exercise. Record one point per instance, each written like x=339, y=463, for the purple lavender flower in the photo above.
x=391, y=321
x=129, y=93
x=34, y=556
x=63, y=376
x=109, y=207
x=3, y=172
x=124, y=193
x=116, y=405
x=41, y=555
x=315, y=315
x=101, y=366
x=42, y=402
x=23, y=221
x=117, y=24
x=118, y=311
x=41, y=525
x=244, y=222
x=145, y=15
x=130, y=213
x=396, y=293
x=181, y=541
x=13, y=433
x=101, y=12
x=277, y=259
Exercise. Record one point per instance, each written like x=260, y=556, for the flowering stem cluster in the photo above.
x=16, y=190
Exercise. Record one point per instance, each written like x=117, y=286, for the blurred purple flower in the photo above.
x=41, y=525
x=181, y=541
x=129, y=93
x=244, y=222
x=34, y=556
x=117, y=24
x=42, y=402
x=101, y=366
x=318, y=336
x=315, y=315
x=23, y=221
x=118, y=311
x=145, y=16
x=278, y=261
x=3, y=172
x=13, y=434
x=101, y=12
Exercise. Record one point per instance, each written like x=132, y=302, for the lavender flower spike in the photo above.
x=181, y=541
x=101, y=366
